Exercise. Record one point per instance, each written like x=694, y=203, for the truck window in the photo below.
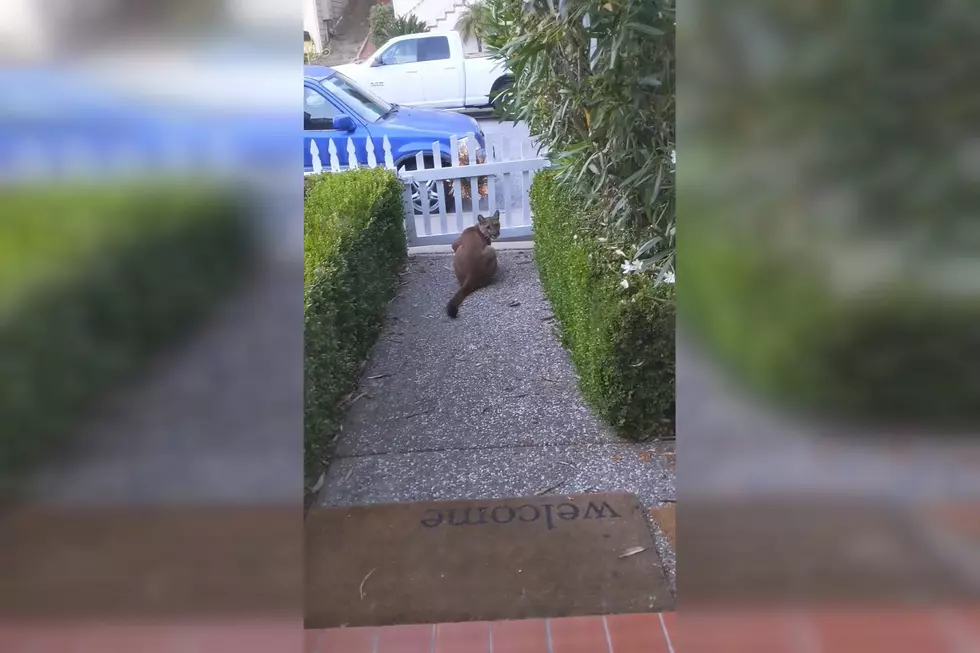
x=433, y=48
x=401, y=52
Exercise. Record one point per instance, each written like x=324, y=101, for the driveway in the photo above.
x=515, y=134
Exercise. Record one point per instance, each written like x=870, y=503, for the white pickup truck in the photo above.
x=430, y=70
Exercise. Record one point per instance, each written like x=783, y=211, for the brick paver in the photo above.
x=935, y=630
x=859, y=630
x=635, y=633
x=525, y=636
x=577, y=635
x=473, y=637
x=406, y=639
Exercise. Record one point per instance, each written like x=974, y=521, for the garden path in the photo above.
x=485, y=406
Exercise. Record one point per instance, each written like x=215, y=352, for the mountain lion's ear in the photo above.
x=496, y=215
x=481, y=220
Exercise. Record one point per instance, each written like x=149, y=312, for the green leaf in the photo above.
x=647, y=246
x=664, y=269
x=656, y=185
x=646, y=29
x=576, y=148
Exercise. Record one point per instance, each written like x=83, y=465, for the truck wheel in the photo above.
x=496, y=100
x=427, y=191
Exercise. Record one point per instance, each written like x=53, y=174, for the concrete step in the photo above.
x=641, y=469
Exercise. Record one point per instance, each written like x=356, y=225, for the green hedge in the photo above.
x=92, y=282
x=621, y=340
x=897, y=355
x=355, y=245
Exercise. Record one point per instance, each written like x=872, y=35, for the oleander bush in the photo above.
x=595, y=83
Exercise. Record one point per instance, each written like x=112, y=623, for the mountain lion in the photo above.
x=474, y=260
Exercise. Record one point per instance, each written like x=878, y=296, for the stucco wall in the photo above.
x=311, y=23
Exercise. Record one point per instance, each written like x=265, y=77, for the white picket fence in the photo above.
x=334, y=160
x=508, y=182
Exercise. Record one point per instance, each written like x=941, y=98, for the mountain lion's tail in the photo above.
x=452, y=308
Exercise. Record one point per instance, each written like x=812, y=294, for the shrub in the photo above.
x=92, y=282
x=410, y=24
x=383, y=25
x=354, y=246
x=381, y=19
x=620, y=339
x=601, y=99
x=471, y=21
x=490, y=22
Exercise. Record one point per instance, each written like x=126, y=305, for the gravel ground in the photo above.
x=485, y=406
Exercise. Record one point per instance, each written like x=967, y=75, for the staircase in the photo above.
x=447, y=22
x=438, y=15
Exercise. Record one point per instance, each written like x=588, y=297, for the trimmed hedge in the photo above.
x=620, y=339
x=93, y=281
x=902, y=355
x=354, y=247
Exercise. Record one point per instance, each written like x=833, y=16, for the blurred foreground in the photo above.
x=151, y=323
x=828, y=386
x=828, y=379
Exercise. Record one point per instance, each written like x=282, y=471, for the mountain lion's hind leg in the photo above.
x=490, y=257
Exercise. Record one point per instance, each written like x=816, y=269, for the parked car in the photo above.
x=337, y=108
x=431, y=70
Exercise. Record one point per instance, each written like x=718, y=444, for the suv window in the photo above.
x=433, y=48
x=401, y=52
x=365, y=104
x=318, y=112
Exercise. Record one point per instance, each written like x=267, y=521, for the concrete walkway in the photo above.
x=485, y=406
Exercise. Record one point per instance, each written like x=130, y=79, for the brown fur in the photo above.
x=474, y=260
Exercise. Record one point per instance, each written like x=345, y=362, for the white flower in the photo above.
x=669, y=277
x=624, y=283
x=631, y=266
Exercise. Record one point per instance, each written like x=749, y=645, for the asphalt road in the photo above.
x=514, y=134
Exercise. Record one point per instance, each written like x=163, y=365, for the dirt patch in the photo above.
x=346, y=43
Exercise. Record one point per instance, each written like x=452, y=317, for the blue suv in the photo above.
x=335, y=107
